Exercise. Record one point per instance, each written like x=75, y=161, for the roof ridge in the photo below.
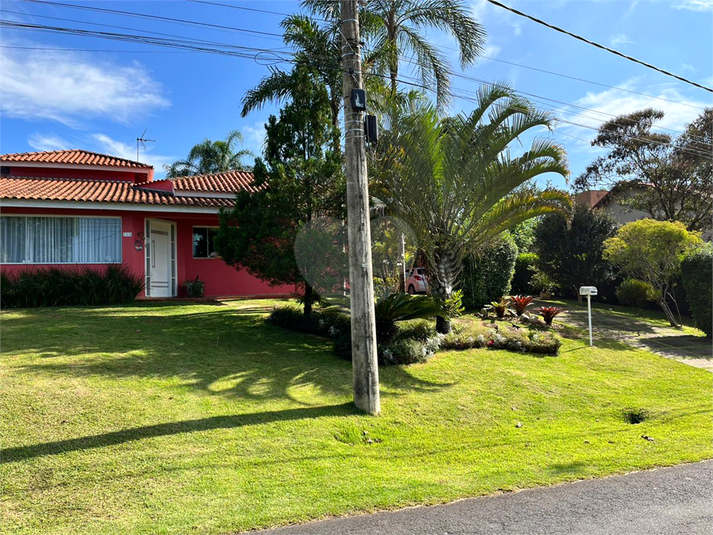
x=212, y=174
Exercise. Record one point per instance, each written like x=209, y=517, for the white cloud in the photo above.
x=254, y=137
x=686, y=67
x=605, y=105
x=696, y=5
x=108, y=145
x=621, y=39
x=43, y=142
x=69, y=86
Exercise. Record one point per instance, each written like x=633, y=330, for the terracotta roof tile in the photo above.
x=225, y=182
x=66, y=189
x=72, y=157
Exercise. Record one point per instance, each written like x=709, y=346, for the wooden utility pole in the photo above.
x=365, y=366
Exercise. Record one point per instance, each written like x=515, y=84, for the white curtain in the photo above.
x=61, y=240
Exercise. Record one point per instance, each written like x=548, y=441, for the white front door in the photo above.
x=160, y=258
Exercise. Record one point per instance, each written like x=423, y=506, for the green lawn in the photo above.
x=199, y=418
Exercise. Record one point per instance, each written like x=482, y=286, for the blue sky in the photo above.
x=60, y=91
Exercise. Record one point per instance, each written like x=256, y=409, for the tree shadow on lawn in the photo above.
x=225, y=352
x=20, y=453
x=682, y=346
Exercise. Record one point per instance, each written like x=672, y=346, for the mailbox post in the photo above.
x=589, y=291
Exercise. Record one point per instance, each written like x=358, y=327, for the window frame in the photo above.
x=193, y=251
x=121, y=244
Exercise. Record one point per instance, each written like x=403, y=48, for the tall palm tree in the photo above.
x=394, y=30
x=456, y=183
x=315, y=48
x=211, y=157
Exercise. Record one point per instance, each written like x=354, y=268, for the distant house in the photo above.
x=609, y=200
x=78, y=208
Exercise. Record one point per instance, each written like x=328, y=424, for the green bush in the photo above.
x=486, y=277
x=524, y=271
x=194, y=287
x=510, y=338
x=408, y=351
x=69, y=287
x=416, y=330
x=697, y=274
x=635, y=293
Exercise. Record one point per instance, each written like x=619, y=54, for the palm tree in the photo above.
x=394, y=30
x=455, y=182
x=211, y=157
x=317, y=49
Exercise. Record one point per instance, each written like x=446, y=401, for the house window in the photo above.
x=60, y=240
x=203, y=239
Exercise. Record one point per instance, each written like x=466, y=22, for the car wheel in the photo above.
x=411, y=289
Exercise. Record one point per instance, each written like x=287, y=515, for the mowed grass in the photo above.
x=200, y=418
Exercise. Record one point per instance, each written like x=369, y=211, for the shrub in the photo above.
x=548, y=313
x=635, y=293
x=510, y=338
x=408, y=351
x=416, y=330
x=521, y=302
x=499, y=307
x=194, y=287
x=697, y=271
x=401, y=307
x=524, y=270
x=453, y=306
x=486, y=276
x=68, y=287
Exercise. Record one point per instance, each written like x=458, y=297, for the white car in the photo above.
x=416, y=282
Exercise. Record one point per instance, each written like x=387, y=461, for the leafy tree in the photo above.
x=211, y=157
x=394, y=30
x=697, y=274
x=456, y=184
x=666, y=178
x=652, y=251
x=570, y=252
x=487, y=275
x=299, y=180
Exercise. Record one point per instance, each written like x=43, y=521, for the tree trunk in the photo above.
x=669, y=313
x=443, y=276
x=309, y=296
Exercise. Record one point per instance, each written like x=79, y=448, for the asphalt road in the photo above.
x=677, y=500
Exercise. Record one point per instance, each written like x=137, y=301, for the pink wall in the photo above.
x=220, y=279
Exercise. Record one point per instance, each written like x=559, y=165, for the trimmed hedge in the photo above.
x=486, y=277
x=67, y=287
x=697, y=275
x=524, y=270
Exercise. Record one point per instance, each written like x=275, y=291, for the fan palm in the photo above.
x=455, y=182
x=211, y=157
x=394, y=29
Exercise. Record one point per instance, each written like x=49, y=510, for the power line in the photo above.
x=255, y=10
x=113, y=26
x=189, y=45
x=590, y=82
x=156, y=17
x=616, y=52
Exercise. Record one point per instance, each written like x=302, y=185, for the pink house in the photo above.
x=79, y=208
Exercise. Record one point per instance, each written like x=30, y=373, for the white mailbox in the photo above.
x=587, y=290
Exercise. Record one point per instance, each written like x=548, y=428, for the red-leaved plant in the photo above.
x=549, y=313
x=521, y=302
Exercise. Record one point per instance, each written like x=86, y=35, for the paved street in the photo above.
x=665, y=341
x=668, y=501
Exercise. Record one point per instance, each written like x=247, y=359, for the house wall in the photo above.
x=220, y=279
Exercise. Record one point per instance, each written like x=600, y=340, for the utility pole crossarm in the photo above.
x=364, y=352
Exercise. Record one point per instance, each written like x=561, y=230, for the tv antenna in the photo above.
x=141, y=142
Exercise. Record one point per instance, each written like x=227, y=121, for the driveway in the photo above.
x=665, y=341
x=668, y=501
